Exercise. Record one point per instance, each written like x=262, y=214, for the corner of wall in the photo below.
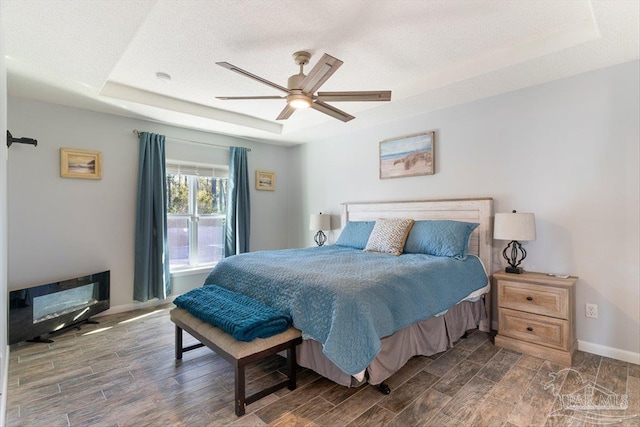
x=4, y=348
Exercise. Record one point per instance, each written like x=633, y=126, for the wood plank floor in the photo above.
x=122, y=372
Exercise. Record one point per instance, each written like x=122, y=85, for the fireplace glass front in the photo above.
x=47, y=308
x=54, y=305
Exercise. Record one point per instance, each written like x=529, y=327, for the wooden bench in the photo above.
x=238, y=353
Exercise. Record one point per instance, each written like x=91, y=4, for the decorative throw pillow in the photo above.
x=388, y=236
x=441, y=238
x=355, y=234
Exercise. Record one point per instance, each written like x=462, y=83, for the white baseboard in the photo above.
x=614, y=353
x=135, y=306
x=4, y=386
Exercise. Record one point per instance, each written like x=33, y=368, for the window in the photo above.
x=196, y=208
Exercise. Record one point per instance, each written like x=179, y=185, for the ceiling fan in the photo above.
x=301, y=89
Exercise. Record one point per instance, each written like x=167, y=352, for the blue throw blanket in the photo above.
x=348, y=299
x=242, y=317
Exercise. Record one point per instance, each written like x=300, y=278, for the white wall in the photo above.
x=565, y=150
x=4, y=349
x=61, y=228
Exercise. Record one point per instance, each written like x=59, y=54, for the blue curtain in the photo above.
x=151, y=272
x=238, y=210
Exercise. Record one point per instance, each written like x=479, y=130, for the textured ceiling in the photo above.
x=104, y=55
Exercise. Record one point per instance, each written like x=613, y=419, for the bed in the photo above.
x=364, y=314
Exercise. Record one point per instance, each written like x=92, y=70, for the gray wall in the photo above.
x=566, y=151
x=60, y=228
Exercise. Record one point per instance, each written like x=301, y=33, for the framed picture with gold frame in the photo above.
x=77, y=163
x=265, y=180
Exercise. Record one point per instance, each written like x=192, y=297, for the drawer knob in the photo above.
x=529, y=298
x=529, y=328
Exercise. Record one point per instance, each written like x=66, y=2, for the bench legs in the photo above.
x=240, y=381
x=179, y=348
x=239, y=388
x=292, y=366
x=239, y=365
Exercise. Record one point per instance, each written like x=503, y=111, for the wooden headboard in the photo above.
x=470, y=210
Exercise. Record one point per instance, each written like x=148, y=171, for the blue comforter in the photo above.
x=348, y=299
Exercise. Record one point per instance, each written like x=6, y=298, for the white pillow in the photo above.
x=389, y=235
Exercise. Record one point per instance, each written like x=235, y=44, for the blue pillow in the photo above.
x=441, y=238
x=355, y=234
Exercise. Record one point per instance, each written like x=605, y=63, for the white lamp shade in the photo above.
x=319, y=222
x=514, y=226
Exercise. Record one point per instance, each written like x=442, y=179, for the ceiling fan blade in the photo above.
x=286, y=112
x=251, y=76
x=331, y=111
x=325, y=67
x=379, y=95
x=226, y=98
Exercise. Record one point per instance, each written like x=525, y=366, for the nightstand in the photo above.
x=536, y=315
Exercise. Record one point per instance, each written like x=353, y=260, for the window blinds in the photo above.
x=196, y=170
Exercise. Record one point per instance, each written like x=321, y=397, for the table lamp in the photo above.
x=319, y=222
x=516, y=227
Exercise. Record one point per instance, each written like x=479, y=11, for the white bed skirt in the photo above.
x=425, y=338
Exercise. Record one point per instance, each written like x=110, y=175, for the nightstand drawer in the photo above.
x=545, y=300
x=535, y=329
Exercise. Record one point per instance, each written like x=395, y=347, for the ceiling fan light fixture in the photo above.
x=298, y=101
x=301, y=89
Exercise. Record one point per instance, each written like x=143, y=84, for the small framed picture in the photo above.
x=265, y=180
x=76, y=163
x=410, y=155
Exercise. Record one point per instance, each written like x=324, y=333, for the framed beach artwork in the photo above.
x=265, y=180
x=76, y=163
x=410, y=155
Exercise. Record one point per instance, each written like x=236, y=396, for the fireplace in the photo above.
x=51, y=307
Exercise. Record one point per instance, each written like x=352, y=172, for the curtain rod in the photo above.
x=137, y=133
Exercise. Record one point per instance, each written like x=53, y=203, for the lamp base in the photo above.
x=513, y=261
x=320, y=238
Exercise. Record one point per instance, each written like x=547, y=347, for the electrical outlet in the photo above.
x=591, y=311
